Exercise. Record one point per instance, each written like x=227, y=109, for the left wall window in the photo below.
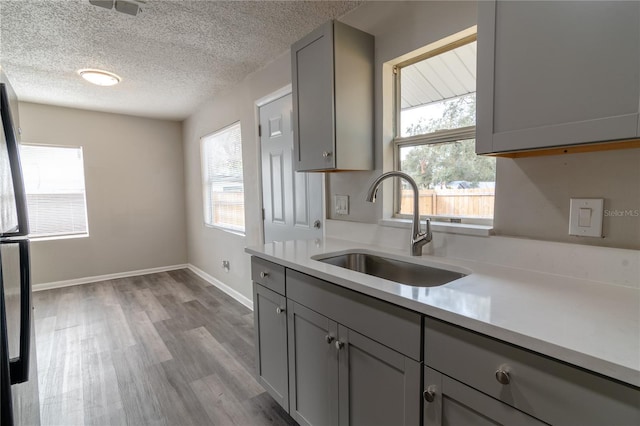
x=54, y=185
x=222, y=180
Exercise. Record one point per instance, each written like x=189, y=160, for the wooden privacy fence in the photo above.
x=228, y=208
x=477, y=202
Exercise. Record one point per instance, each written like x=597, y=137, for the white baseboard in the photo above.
x=87, y=280
x=222, y=286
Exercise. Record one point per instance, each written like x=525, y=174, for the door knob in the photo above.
x=339, y=344
x=264, y=274
x=328, y=339
x=279, y=310
x=317, y=224
x=326, y=154
x=429, y=394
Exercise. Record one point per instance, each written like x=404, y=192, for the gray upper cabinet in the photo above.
x=332, y=78
x=557, y=73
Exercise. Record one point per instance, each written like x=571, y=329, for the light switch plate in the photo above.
x=341, y=203
x=585, y=217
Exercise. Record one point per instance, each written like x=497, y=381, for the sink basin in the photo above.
x=412, y=274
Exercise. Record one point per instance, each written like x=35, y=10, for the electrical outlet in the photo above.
x=225, y=265
x=341, y=203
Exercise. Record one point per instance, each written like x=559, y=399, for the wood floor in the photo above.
x=160, y=349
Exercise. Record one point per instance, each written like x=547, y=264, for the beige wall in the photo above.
x=532, y=196
x=135, y=192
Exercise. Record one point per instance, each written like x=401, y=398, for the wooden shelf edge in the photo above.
x=592, y=147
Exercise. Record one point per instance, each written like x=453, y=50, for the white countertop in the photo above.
x=590, y=324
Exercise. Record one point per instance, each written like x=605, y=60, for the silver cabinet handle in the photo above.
x=264, y=274
x=339, y=344
x=502, y=375
x=326, y=154
x=279, y=310
x=328, y=339
x=429, y=394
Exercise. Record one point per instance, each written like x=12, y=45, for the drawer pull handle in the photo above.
x=279, y=310
x=264, y=274
x=502, y=376
x=326, y=154
x=429, y=395
x=328, y=339
x=339, y=344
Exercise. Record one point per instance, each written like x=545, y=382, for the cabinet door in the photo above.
x=313, y=100
x=271, y=343
x=453, y=403
x=378, y=386
x=557, y=73
x=313, y=366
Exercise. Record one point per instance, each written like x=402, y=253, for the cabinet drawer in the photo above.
x=269, y=274
x=544, y=388
x=395, y=327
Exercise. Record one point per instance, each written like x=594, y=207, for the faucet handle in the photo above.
x=427, y=224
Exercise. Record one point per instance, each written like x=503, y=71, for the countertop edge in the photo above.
x=599, y=366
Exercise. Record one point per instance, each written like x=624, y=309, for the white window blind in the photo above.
x=54, y=185
x=223, y=183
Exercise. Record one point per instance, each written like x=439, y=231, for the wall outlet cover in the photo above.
x=585, y=217
x=341, y=203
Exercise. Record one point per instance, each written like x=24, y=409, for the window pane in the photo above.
x=442, y=115
x=438, y=93
x=453, y=180
x=54, y=185
x=222, y=178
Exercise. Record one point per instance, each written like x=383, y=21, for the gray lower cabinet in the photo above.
x=544, y=388
x=340, y=377
x=377, y=385
x=271, y=342
x=313, y=366
x=449, y=402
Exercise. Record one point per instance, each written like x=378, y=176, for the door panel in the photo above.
x=292, y=201
x=378, y=386
x=271, y=342
x=313, y=366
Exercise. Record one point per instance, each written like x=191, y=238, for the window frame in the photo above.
x=434, y=138
x=60, y=235
x=206, y=183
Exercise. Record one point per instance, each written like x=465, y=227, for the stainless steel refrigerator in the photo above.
x=19, y=374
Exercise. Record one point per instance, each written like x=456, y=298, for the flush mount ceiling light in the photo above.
x=99, y=77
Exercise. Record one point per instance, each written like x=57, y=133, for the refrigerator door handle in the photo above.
x=20, y=367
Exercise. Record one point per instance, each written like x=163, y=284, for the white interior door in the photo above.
x=292, y=201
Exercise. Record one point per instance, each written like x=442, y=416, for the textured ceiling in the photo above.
x=172, y=57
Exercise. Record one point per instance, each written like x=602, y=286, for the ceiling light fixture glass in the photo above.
x=99, y=77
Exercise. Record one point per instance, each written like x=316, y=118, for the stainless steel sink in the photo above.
x=412, y=274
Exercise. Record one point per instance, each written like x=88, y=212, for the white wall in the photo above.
x=135, y=192
x=399, y=27
x=208, y=247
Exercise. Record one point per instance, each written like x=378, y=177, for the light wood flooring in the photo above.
x=159, y=349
